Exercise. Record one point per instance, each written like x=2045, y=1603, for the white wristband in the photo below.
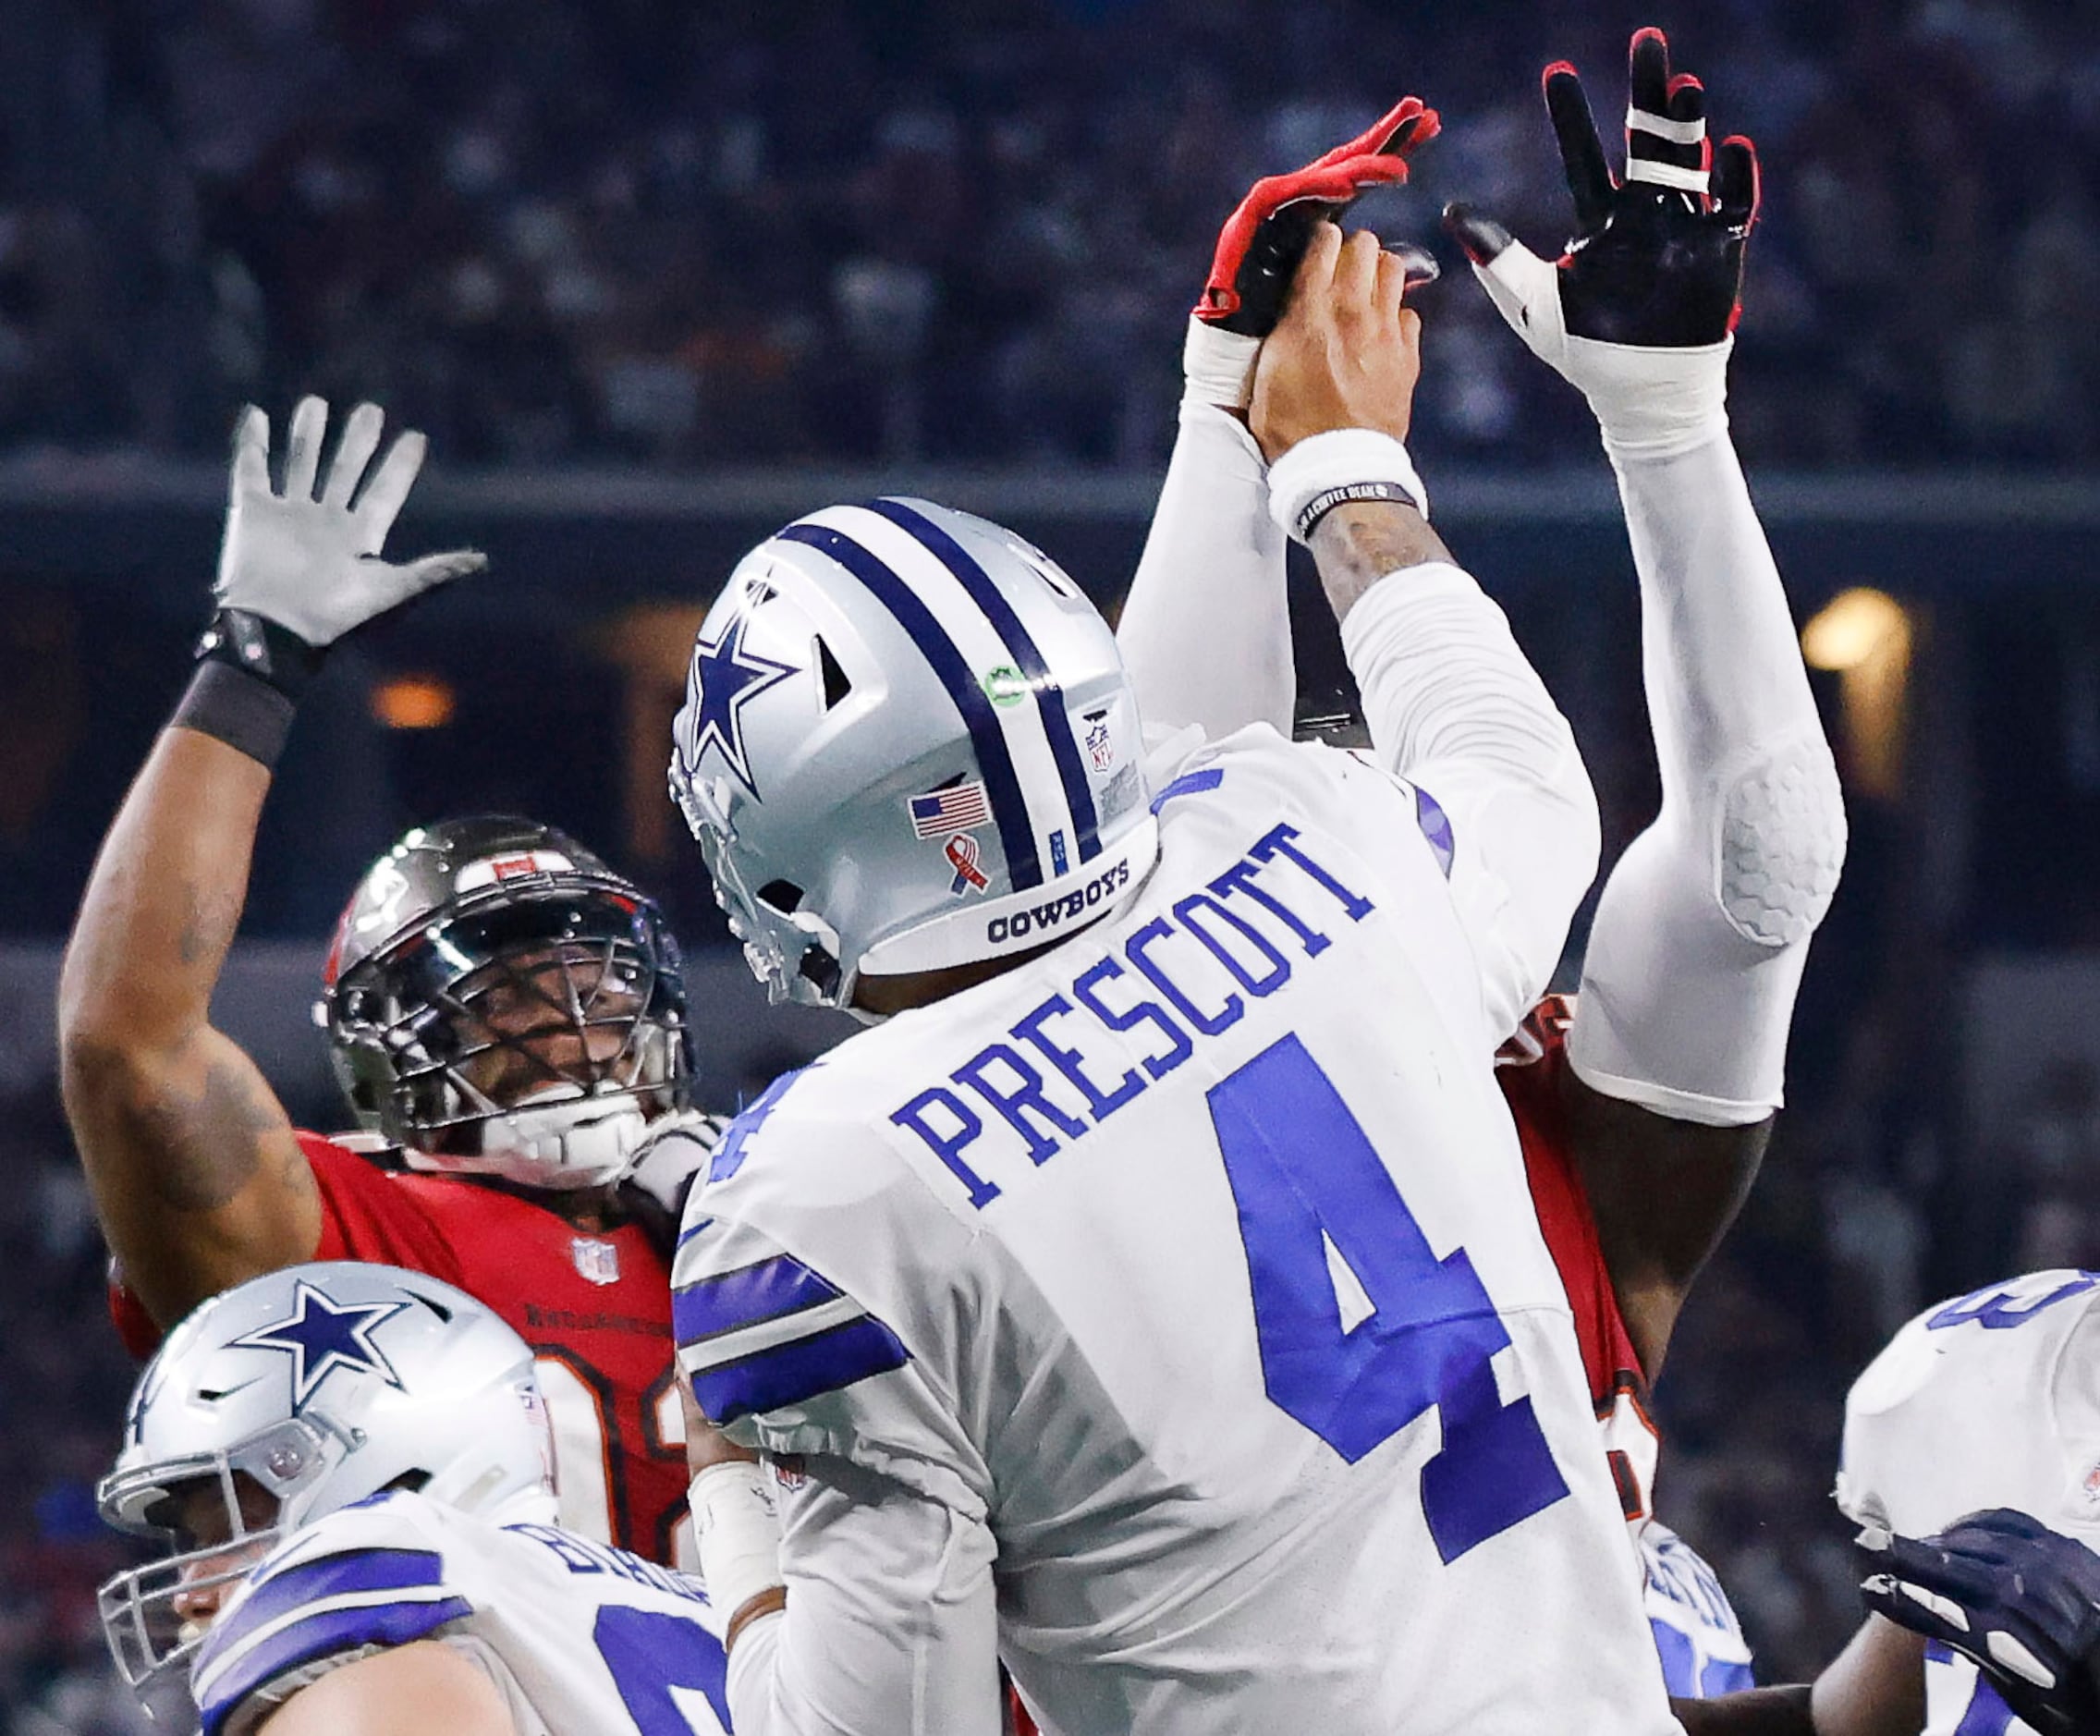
x=1346, y=463
x=1217, y=366
x=738, y=1532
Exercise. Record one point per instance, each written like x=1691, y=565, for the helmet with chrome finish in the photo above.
x=499, y=1001
x=907, y=743
x=288, y=1397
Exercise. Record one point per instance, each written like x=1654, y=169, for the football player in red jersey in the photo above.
x=503, y=1009
x=1645, y=1114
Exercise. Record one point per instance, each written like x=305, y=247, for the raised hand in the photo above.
x=1656, y=259
x=1346, y=354
x=1260, y=247
x=306, y=557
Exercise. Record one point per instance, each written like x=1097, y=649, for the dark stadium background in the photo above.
x=657, y=277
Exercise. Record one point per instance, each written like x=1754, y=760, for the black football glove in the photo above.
x=1654, y=264
x=2003, y=1589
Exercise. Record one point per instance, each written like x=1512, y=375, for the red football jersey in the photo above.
x=1530, y=1070
x=596, y=1309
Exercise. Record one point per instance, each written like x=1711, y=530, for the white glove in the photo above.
x=1650, y=401
x=677, y=1150
x=311, y=565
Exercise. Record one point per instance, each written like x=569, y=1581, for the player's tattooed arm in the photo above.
x=1348, y=355
x=197, y=1177
x=1356, y=545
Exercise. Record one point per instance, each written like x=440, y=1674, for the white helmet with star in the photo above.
x=299, y=1393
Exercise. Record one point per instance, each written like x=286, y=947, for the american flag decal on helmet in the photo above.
x=956, y=808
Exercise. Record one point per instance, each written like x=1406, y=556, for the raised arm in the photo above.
x=197, y=1176
x=1679, y=1038
x=1205, y=630
x=1453, y=706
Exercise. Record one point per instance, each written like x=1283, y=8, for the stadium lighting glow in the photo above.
x=1852, y=626
x=413, y=701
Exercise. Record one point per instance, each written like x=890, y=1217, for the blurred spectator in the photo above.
x=680, y=235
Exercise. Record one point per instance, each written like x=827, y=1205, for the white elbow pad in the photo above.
x=1780, y=845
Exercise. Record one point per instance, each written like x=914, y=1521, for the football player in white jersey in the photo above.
x=1991, y=1401
x=1659, y=1101
x=351, y=1465
x=1155, y=1302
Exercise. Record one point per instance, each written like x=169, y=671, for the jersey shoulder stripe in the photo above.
x=272, y=1597
x=757, y=1328
x=798, y=1372
x=314, y=1609
x=708, y=1307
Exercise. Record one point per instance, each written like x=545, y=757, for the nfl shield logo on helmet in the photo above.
x=596, y=1261
x=1100, y=744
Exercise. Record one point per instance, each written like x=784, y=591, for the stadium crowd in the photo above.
x=680, y=236
x=841, y=231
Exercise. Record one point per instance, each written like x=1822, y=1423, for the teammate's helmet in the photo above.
x=499, y=1001
x=293, y=1395
x=908, y=743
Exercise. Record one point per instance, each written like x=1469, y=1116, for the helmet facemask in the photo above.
x=530, y=1035
x=218, y=1513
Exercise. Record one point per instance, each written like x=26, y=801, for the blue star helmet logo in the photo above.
x=726, y=677
x=321, y=1337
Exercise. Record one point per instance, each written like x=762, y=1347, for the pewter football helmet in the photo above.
x=908, y=743
x=293, y=1395
x=499, y=1001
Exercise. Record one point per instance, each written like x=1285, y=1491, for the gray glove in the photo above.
x=310, y=565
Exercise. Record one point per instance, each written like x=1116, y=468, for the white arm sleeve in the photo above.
x=1205, y=632
x=1689, y=982
x=1456, y=710
x=889, y=1625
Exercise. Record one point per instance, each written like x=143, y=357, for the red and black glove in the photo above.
x=1261, y=242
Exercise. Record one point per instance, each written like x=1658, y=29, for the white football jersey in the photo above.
x=1989, y=1401
x=583, y=1639
x=1704, y=1651
x=1192, y=1270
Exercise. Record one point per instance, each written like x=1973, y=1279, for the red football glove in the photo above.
x=1261, y=242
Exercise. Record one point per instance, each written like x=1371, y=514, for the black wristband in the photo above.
x=244, y=711
x=1348, y=494
x=275, y=654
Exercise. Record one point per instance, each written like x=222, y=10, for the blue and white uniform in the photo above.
x=582, y=1639
x=1168, y=1315
x=1992, y=1399
x=1704, y=1651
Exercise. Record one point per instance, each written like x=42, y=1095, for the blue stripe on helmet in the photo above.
x=313, y=1581
x=764, y=1290
x=1002, y=783
x=1049, y=695
x=322, y=1635
x=790, y=1373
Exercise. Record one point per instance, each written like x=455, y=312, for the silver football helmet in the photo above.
x=288, y=1397
x=908, y=743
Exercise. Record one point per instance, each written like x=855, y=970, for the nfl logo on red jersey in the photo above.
x=596, y=1261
